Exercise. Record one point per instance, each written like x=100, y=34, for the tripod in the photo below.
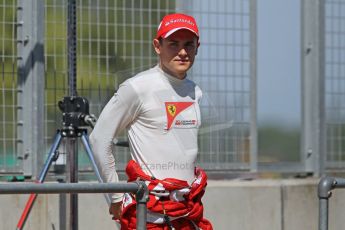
x=76, y=118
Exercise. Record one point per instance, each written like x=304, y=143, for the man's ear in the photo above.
x=197, y=47
x=156, y=45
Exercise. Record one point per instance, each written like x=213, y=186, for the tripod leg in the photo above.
x=51, y=157
x=86, y=144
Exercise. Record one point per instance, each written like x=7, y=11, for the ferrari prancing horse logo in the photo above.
x=171, y=109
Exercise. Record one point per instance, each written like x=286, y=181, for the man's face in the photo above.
x=177, y=52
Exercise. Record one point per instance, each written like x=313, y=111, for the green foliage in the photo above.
x=8, y=44
x=278, y=144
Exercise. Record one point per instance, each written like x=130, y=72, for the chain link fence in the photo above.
x=115, y=42
x=223, y=70
x=8, y=89
x=335, y=82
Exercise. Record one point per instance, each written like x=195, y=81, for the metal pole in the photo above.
x=62, y=208
x=72, y=47
x=253, y=88
x=142, y=197
x=326, y=185
x=72, y=150
x=323, y=214
x=30, y=88
x=53, y=188
x=71, y=142
x=313, y=150
x=139, y=188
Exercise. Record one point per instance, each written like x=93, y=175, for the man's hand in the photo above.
x=115, y=209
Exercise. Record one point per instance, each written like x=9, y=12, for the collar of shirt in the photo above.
x=171, y=78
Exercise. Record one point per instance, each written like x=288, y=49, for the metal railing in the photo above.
x=139, y=188
x=326, y=185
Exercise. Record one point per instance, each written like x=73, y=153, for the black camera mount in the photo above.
x=75, y=115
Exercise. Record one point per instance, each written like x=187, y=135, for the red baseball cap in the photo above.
x=174, y=22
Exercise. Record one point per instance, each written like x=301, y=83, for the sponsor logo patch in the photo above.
x=185, y=122
x=175, y=108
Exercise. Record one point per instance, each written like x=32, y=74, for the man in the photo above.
x=160, y=110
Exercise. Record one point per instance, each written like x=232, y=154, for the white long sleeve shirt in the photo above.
x=161, y=114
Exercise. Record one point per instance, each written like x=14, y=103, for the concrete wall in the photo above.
x=245, y=205
x=263, y=204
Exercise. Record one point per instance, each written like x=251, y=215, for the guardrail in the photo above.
x=139, y=188
x=325, y=187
